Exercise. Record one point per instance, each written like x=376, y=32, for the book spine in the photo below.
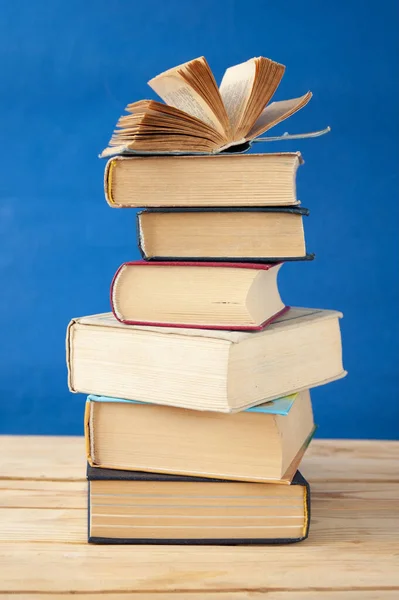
x=87, y=432
x=109, y=175
x=307, y=504
x=109, y=168
x=112, y=290
x=68, y=344
x=139, y=235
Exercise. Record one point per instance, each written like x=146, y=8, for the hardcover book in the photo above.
x=128, y=507
x=263, y=444
x=200, y=117
x=269, y=234
x=224, y=371
x=239, y=296
x=218, y=180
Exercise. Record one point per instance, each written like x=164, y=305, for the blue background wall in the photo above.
x=69, y=68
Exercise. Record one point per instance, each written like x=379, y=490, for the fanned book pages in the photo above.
x=264, y=443
x=128, y=507
x=224, y=371
x=200, y=117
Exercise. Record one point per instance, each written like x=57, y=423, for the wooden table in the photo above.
x=351, y=554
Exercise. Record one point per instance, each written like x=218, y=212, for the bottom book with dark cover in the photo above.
x=129, y=507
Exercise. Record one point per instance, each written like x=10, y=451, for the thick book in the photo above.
x=237, y=296
x=128, y=507
x=266, y=234
x=218, y=180
x=200, y=117
x=224, y=371
x=261, y=444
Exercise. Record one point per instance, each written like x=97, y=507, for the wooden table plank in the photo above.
x=62, y=458
x=360, y=509
x=42, y=457
x=242, y=595
x=352, y=551
x=64, y=494
x=61, y=567
x=23, y=493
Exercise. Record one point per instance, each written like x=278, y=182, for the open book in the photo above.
x=199, y=117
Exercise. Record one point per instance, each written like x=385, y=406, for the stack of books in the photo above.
x=199, y=410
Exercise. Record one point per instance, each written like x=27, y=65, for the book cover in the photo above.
x=197, y=457
x=140, y=375
x=265, y=180
x=297, y=210
x=186, y=263
x=96, y=474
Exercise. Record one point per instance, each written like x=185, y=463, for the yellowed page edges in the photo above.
x=69, y=354
x=305, y=500
x=109, y=167
x=87, y=432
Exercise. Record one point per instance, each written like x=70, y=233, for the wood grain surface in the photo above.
x=351, y=554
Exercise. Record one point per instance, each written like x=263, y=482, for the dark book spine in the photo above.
x=195, y=542
x=294, y=210
x=260, y=260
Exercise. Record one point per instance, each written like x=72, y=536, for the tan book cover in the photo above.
x=218, y=180
x=224, y=371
